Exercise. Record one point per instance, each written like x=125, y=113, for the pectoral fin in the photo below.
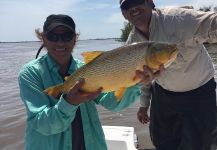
x=136, y=78
x=89, y=56
x=119, y=93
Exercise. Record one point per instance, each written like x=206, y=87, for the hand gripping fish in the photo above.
x=115, y=70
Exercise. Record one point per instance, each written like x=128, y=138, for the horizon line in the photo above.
x=41, y=41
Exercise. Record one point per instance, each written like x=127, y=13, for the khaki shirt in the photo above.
x=188, y=28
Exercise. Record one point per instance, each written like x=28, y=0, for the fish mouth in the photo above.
x=173, y=56
x=174, y=52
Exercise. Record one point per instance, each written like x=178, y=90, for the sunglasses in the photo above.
x=127, y=4
x=64, y=37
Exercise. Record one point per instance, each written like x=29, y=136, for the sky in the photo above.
x=93, y=18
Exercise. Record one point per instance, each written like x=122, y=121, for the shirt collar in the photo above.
x=152, y=25
x=53, y=66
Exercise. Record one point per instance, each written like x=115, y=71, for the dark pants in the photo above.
x=183, y=120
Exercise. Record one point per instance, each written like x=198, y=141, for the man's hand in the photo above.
x=147, y=75
x=76, y=96
x=142, y=115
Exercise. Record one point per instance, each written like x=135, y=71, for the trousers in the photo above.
x=183, y=120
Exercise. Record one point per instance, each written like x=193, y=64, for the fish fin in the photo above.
x=136, y=79
x=89, y=56
x=54, y=90
x=119, y=93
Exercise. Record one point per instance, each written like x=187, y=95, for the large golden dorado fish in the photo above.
x=115, y=70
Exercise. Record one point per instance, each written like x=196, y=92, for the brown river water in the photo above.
x=12, y=112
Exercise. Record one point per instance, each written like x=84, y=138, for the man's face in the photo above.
x=59, y=43
x=138, y=15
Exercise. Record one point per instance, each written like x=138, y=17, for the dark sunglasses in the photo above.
x=64, y=37
x=127, y=4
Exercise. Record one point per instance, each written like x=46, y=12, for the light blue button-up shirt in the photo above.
x=49, y=120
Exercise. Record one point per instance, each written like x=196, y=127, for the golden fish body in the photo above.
x=114, y=70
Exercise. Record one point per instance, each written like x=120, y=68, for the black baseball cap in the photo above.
x=54, y=21
x=126, y=4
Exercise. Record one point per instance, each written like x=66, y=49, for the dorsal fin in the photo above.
x=89, y=56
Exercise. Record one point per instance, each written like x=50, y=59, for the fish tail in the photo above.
x=54, y=90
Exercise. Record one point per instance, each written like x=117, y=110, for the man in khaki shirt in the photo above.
x=183, y=106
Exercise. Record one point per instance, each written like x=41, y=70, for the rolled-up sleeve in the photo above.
x=190, y=24
x=206, y=27
x=145, y=96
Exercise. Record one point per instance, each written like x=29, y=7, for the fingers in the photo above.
x=143, y=118
x=147, y=75
x=148, y=71
x=76, y=96
x=91, y=95
x=139, y=117
x=159, y=72
x=77, y=86
x=142, y=115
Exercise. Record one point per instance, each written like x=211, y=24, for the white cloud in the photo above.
x=195, y=3
x=20, y=18
x=115, y=18
x=94, y=18
x=91, y=6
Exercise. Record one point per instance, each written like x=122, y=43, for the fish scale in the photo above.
x=115, y=69
x=115, y=66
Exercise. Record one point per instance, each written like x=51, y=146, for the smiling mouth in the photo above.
x=136, y=16
x=60, y=49
x=135, y=13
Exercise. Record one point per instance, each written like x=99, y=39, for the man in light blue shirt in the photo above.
x=71, y=121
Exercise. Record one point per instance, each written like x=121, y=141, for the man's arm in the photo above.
x=207, y=27
x=145, y=96
x=142, y=114
x=42, y=117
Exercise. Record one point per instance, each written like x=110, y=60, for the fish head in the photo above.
x=160, y=54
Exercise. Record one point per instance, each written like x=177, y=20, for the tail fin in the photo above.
x=54, y=90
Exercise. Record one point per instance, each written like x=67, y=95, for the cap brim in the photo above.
x=123, y=3
x=126, y=4
x=54, y=25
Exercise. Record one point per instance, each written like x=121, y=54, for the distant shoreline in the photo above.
x=117, y=39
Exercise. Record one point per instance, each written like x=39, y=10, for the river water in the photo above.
x=12, y=112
